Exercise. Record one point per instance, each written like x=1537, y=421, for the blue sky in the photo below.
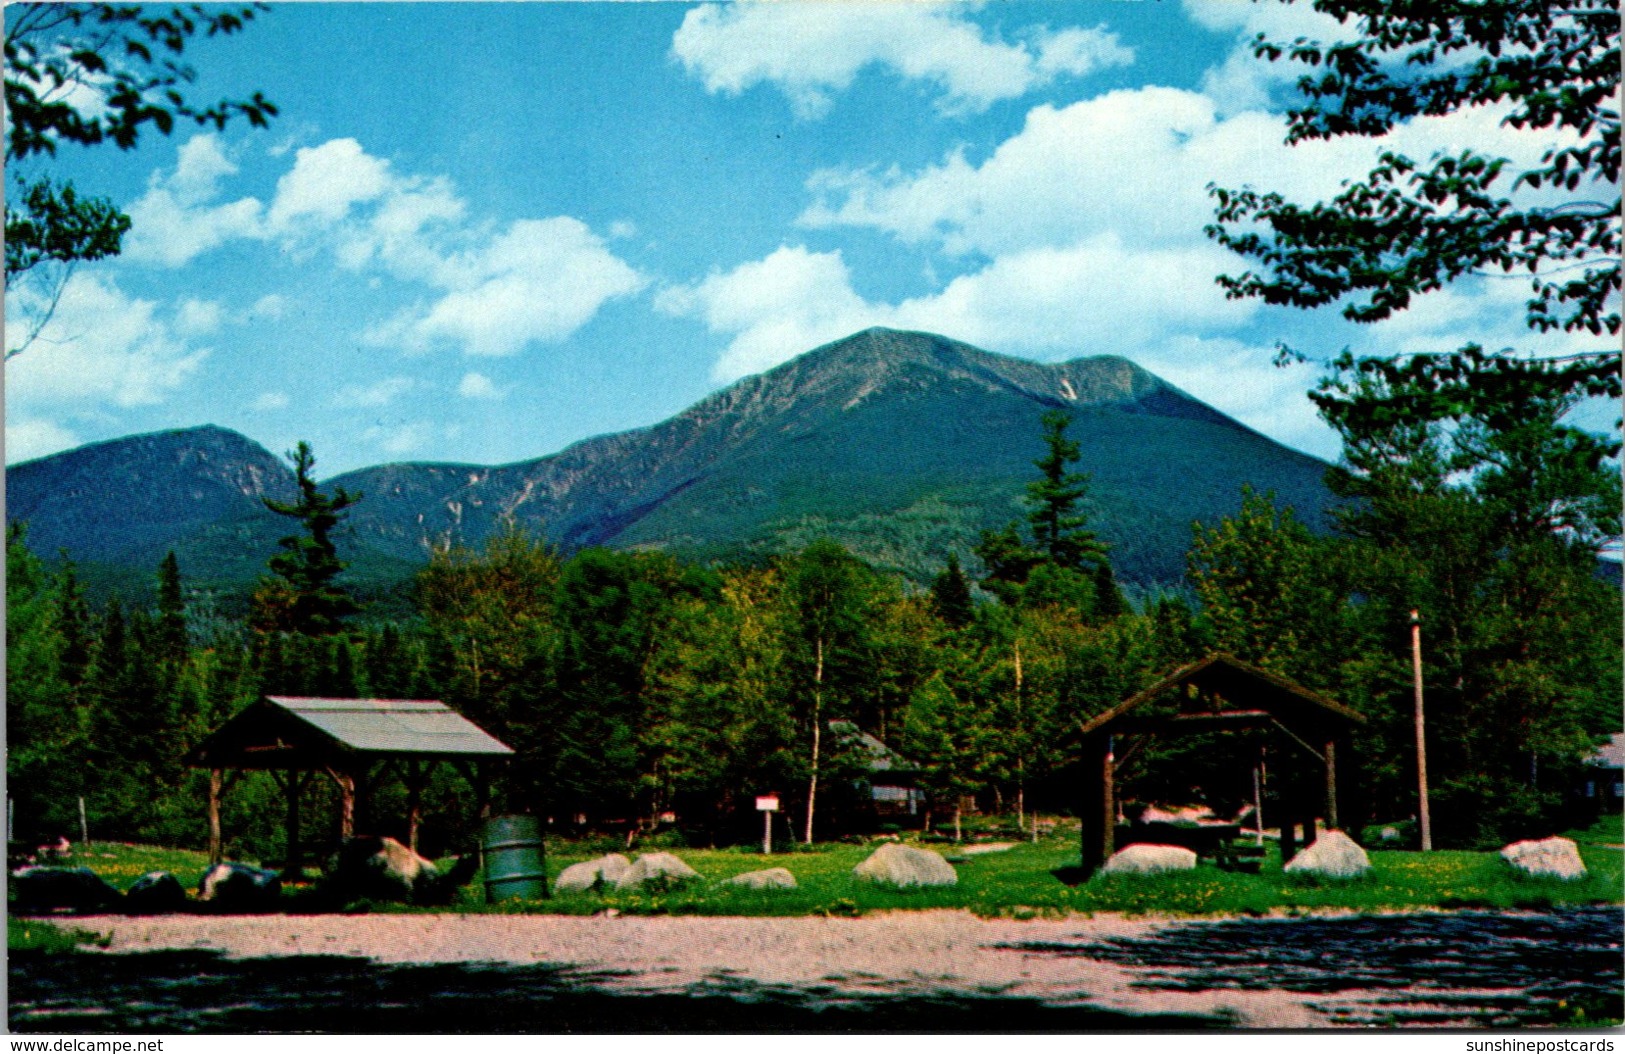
x=482, y=232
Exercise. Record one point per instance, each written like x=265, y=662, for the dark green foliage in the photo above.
x=951, y=597
x=53, y=224
x=304, y=597
x=1065, y=562
x=939, y=451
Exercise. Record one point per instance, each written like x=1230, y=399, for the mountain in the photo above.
x=901, y=445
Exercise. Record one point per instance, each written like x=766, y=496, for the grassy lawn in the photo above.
x=1021, y=882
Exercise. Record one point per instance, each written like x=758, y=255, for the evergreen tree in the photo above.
x=1065, y=562
x=951, y=597
x=172, y=637
x=304, y=596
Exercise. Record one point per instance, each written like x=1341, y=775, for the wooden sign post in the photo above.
x=767, y=805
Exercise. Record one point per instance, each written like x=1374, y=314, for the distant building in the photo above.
x=1605, y=775
x=892, y=777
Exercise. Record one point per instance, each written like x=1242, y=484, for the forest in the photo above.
x=645, y=693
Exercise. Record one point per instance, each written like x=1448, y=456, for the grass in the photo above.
x=27, y=935
x=1022, y=882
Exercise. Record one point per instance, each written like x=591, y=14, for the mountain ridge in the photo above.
x=902, y=444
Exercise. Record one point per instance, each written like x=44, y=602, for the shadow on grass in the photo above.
x=175, y=992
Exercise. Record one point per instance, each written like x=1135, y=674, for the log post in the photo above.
x=216, y=847
x=1331, y=784
x=291, y=868
x=346, y=784
x=1099, y=809
x=414, y=802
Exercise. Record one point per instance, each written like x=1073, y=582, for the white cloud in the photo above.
x=478, y=386
x=179, y=219
x=271, y=306
x=494, y=289
x=198, y=318
x=1242, y=380
x=774, y=308
x=539, y=281
x=400, y=438
x=325, y=182
x=381, y=393
x=30, y=438
x=809, y=51
x=101, y=346
x=268, y=402
x=1097, y=296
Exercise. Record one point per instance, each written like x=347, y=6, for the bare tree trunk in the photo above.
x=1021, y=763
x=818, y=721
x=959, y=808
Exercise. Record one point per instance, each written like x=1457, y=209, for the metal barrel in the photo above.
x=514, y=859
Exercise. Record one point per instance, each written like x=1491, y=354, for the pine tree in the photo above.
x=951, y=597
x=304, y=597
x=171, y=612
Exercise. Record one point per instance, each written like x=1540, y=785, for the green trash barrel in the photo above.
x=513, y=859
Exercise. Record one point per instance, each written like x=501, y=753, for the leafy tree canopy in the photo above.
x=1412, y=227
x=90, y=74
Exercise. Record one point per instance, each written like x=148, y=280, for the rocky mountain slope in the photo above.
x=902, y=445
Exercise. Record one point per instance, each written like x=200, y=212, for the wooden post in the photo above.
x=414, y=803
x=1331, y=784
x=1421, y=735
x=1289, y=838
x=291, y=866
x=1108, y=803
x=216, y=785
x=346, y=783
x=1099, y=810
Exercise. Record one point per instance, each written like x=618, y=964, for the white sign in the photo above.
x=767, y=803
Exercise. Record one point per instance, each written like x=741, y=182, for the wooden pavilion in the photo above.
x=1219, y=693
x=358, y=743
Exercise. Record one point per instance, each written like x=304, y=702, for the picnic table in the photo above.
x=1220, y=842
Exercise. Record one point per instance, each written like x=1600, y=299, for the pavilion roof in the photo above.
x=281, y=731
x=1222, y=687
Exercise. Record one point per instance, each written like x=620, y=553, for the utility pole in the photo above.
x=1421, y=735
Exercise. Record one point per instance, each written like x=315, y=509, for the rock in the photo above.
x=589, y=873
x=769, y=878
x=906, y=865
x=1333, y=855
x=1389, y=834
x=78, y=889
x=1144, y=858
x=1546, y=858
x=660, y=868
x=155, y=893
x=379, y=868
x=987, y=847
x=236, y=887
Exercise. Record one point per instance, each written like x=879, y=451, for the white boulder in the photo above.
x=1333, y=855
x=768, y=878
x=1546, y=858
x=1149, y=859
x=589, y=873
x=906, y=865
x=651, y=867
